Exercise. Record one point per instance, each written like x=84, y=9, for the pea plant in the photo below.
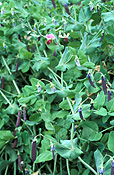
x=57, y=87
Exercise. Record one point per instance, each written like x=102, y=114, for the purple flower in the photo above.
x=77, y=63
x=52, y=149
x=80, y=113
x=34, y=27
x=74, y=128
x=45, y=23
x=112, y=168
x=53, y=88
x=2, y=12
x=13, y=24
x=55, y=22
x=39, y=88
x=4, y=47
x=91, y=7
x=101, y=171
x=65, y=5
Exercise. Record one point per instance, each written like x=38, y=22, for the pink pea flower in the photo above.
x=50, y=36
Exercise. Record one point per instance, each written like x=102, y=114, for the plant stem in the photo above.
x=45, y=53
x=5, y=97
x=62, y=79
x=18, y=91
x=61, y=166
x=49, y=169
x=6, y=170
x=67, y=163
x=23, y=78
x=14, y=173
x=38, y=50
x=70, y=105
x=57, y=76
x=72, y=130
x=86, y=165
x=54, y=171
x=33, y=167
x=107, y=129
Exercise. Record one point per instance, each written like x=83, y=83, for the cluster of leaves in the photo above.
x=63, y=87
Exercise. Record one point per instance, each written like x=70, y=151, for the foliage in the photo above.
x=57, y=87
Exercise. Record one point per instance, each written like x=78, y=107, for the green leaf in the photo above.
x=110, y=106
x=108, y=16
x=98, y=159
x=89, y=65
x=27, y=90
x=85, y=112
x=64, y=105
x=24, y=54
x=43, y=157
x=35, y=117
x=66, y=57
x=4, y=164
x=26, y=137
x=90, y=131
x=61, y=114
x=49, y=126
x=66, y=151
x=95, y=136
x=102, y=112
x=111, y=141
x=2, y=143
x=6, y=135
x=99, y=101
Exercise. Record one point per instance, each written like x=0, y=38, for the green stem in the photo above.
x=57, y=76
x=61, y=166
x=33, y=167
x=14, y=173
x=6, y=170
x=86, y=165
x=49, y=168
x=45, y=53
x=75, y=13
x=62, y=79
x=5, y=97
x=107, y=129
x=18, y=91
x=70, y=105
x=67, y=163
x=23, y=78
x=54, y=171
x=72, y=131
x=38, y=50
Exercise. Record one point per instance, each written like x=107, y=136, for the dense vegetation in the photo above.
x=57, y=87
